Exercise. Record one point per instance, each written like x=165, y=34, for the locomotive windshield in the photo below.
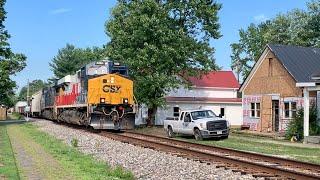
x=120, y=69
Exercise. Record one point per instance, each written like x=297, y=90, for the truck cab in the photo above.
x=199, y=123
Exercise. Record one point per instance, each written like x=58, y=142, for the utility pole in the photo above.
x=28, y=103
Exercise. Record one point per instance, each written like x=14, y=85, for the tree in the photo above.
x=70, y=59
x=10, y=63
x=34, y=86
x=161, y=40
x=298, y=27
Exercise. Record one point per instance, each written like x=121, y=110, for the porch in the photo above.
x=307, y=88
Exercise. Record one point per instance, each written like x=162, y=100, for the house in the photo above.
x=216, y=91
x=20, y=107
x=275, y=88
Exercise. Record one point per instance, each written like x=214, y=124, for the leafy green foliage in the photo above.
x=298, y=27
x=70, y=59
x=296, y=125
x=161, y=40
x=8, y=168
x=34, y=86
x=74, y=142
x=10, y=63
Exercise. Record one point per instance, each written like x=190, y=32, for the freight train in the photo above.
x=99, y=95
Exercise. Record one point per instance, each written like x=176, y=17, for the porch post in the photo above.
x=306, y=112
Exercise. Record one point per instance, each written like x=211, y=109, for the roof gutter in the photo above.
x=306, y=84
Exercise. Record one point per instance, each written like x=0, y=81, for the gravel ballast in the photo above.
x=144, y=163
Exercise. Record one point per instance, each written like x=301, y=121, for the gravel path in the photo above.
x=33, y=161
x=144, y=163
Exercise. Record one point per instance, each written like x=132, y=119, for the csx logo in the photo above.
x=111, y=88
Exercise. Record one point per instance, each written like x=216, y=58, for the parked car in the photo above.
x=199, y=123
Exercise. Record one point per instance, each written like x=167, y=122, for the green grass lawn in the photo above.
x=77, y=164
x=258, y=144
x=264, y=146
x=15, y=116
x=8, y=168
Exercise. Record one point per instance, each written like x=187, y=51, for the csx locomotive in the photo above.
x=99, y=95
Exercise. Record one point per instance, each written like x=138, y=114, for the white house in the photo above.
x=216, y=91
x=20, y=106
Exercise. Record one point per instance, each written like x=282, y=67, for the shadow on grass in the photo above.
x=205, y=139
x=8, y=122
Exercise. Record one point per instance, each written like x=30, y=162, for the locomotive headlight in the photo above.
x=125, y=101
x=102, y=100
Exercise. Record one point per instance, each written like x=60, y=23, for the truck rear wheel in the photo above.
x=170, y=132
x=198, y=135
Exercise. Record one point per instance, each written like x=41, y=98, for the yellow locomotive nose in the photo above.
x=110, y=89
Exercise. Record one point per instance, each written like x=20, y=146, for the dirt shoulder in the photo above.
x=33, y=161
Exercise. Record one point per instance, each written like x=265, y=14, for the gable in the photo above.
x=269, y=76
x=301, y=62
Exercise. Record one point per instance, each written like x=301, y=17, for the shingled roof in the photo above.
x=216, y=79
x=301, y=62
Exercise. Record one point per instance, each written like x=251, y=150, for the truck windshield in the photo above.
x=202, y=114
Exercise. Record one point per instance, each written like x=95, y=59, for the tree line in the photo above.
x=162, y=40
x=297, y=27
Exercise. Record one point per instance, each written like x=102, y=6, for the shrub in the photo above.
x=295, y=127
x=74, y=142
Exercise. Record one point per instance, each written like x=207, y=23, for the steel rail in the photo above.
x=251, y=155
x=251, y=167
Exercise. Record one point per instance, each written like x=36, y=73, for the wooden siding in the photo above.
x=272, y=78
x=265, y=124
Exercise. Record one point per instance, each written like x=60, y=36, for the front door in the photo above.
x=275, y=115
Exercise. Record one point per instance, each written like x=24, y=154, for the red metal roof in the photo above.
x=222, y=79
x=202, y=99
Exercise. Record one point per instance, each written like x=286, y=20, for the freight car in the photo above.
x=35, y=104
x=99, y=95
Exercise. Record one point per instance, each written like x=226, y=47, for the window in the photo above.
x=176, y=111
x=293, y=109
x=286, y=109
x=187, y=118
x=258, y=110
x=270, y=67
x=221, y=112
x=290, y=109
x=181, y=117
x=255, y=110
x=202, y=114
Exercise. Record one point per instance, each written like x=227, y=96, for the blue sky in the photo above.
x=40, y=28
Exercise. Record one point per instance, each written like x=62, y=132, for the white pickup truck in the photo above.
x=200, y=123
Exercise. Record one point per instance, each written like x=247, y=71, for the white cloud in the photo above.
x=260, y=18
x=59, y=11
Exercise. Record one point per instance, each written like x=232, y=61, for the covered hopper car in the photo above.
x=99, y=95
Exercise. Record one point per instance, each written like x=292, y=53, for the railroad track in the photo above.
x=258, y=165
